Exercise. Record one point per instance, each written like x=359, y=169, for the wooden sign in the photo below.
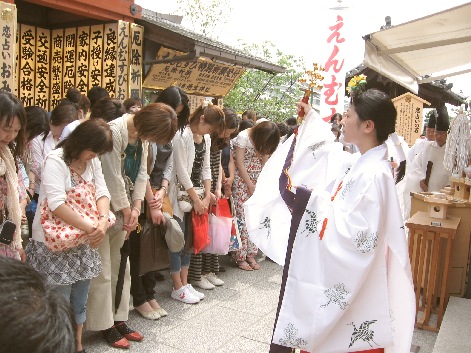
x=194, y=102
x=109, y=58
x=96, y=56
x=8, y=47
x=27, y=64
x=43, y=46
x=17, y=61
x=83, y=59
x=51, y=61
x=122, y=61
x=69, y=67
x=409, y=122
x=135, y=69
x=200, y=77
x=57, y=53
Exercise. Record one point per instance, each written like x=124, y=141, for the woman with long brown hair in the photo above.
x=252, y=148
x=191, y=170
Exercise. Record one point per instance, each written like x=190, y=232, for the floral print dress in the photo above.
x=240, y=193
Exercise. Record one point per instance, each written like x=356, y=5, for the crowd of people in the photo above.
x=85, y=177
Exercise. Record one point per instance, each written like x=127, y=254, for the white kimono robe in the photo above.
x=347, y=284
x=317, y=161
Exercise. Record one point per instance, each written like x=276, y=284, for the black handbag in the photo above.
x=154, y=254
x=7, y=229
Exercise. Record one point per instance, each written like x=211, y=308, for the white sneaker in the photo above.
x=194, y=292
x=211, y=277
x=184, y=295
x=203, y=284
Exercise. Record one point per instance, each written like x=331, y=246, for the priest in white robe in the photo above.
x=427, y=172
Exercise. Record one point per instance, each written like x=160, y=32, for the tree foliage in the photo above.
x=270, y=96
x=204, y=16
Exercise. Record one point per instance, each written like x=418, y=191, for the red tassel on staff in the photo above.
x=324, y=226
x=336, y=192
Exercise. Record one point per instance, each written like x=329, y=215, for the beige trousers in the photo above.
x=101, y=299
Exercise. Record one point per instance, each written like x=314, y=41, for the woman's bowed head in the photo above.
x=12, y=123
x=156, y=122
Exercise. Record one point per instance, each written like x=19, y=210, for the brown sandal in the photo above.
x=244, y=265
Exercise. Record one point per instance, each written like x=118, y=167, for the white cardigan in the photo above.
x=183, y=158
x=111, y=164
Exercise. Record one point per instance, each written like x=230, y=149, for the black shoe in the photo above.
x=222, y=269
x=158, y=276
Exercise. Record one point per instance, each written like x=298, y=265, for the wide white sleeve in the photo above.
x=142, y=176
x=37, y=146
x=168, y=167
x=180, y=160
x=111, y=166
x=100, y=183
x=53, y=185
x=206, y=175
x=418, y=167
x=242, y=139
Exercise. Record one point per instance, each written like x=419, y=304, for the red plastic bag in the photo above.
x=200, y=231
x=223, y=208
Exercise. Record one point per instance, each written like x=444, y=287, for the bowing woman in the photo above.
x=73, y=167
x=346, y=285
x=12, y=123
x=125, y=171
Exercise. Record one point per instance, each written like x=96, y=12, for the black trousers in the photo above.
x=142, y=287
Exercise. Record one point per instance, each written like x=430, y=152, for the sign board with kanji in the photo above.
x=8, y=48
x=409, y=120
x=199, y=77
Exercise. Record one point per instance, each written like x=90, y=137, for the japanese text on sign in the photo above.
x=333, y=92
x=96, y=56
x=202, y=76
x=109, y=58
x=8, y=42
x=135, y=73
x=409, y=116
x=122, y=61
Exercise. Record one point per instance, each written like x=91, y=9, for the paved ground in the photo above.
x=237, y=318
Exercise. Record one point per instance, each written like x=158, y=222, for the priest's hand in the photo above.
x=423, y=186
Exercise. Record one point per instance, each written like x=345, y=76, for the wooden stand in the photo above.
x=461, y=189
x=425, y=247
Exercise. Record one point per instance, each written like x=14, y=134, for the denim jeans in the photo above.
x=180, y=258
x=76, y=294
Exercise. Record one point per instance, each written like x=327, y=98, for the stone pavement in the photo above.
x=237, y=317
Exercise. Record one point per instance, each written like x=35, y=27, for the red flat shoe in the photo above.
x=128, y=333
x=115, y=339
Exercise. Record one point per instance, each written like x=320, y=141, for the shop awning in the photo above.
x=423, y=50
